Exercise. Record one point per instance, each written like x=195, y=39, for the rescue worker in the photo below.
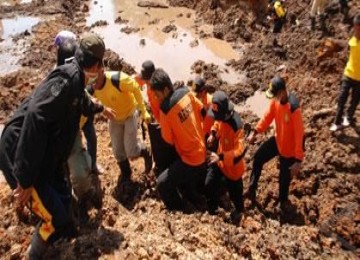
x=181, y=116
x=350, y=80
x=120, y=92
x=318, y=8
x=38, y=138
x=278, y=15
x=65, y=42
x=79, y=161
x=227, y=162
x=287, y=143
x=200, y=88
x=143, y=80
x=163, y=153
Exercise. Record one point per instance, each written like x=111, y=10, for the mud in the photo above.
x=324, y=221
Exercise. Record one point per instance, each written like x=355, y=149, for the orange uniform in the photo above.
x=208, y=120
x=289, y=127
x=231, y=147
x=181, y=126
x=153, y=101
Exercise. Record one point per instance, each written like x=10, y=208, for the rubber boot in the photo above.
x=313, y=23
x=146, y=154
x=37, y=247
x=323, y=23
x=125, y=171
x=345, y=11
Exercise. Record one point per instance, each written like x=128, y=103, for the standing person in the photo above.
x=181, y=126
x=120, y=92
x=350, y=80
x=227, y=162
x=79, y=161
x=288, y=140
x=344, y=9
x=318, y=8
x=143, y=80
x=278, y=15
x=163, y=153
x=65, y=41
x=37, y=141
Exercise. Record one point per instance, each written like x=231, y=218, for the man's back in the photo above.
x=181, y=125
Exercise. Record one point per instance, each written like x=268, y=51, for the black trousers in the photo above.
x=347, y=84
x=179, y=176
x=265, y=153
x=213, y=184
x=278, y=24
x=91, y=139
x=163, y=153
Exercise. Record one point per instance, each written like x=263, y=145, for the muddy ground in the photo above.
x=326, y=215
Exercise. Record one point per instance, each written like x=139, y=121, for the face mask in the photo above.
x=92, y=78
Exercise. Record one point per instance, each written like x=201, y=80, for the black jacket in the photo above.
x=37, y=140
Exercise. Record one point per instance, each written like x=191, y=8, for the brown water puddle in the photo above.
x=258, y=104
x=10, y=51
x=14, y=2
x=171, y=51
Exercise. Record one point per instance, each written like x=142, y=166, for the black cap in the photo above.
x=198, y=84
x=147, y=69
x=160, y=80
x=93, y=45
x=221, y=105
x=277, y=83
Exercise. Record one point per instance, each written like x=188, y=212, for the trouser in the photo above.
x=278, y=24
x=164, y=154
x=347, y=84
x=266, y=152
x=53, y=208
x=178, y=175
x=124, y=140
x=91, y=140
x=213, y=182
x=79, y=164
x=318, y=7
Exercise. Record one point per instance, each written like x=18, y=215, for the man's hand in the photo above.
x=295, y=169
x=109, y=113
x=22, y=195
x=213, y=158
x=251, y=138
x=147, y=118
x=210, y=141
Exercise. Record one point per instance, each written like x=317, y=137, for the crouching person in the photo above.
x=227, y=163
x=181, y=116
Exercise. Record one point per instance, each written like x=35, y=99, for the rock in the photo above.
x=99, y=23
x=194, y=43
x=151, y=4
x=245, y=251
x=85, y=8
x=169, y=28
x=111, y=220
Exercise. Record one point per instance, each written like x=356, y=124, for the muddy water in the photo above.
x=9, y=51
x=258, y=104
x=171, y=51
x=14, y=2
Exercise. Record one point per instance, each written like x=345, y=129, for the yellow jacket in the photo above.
x=121, y=93
x=352, y=69
x=279, y=10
